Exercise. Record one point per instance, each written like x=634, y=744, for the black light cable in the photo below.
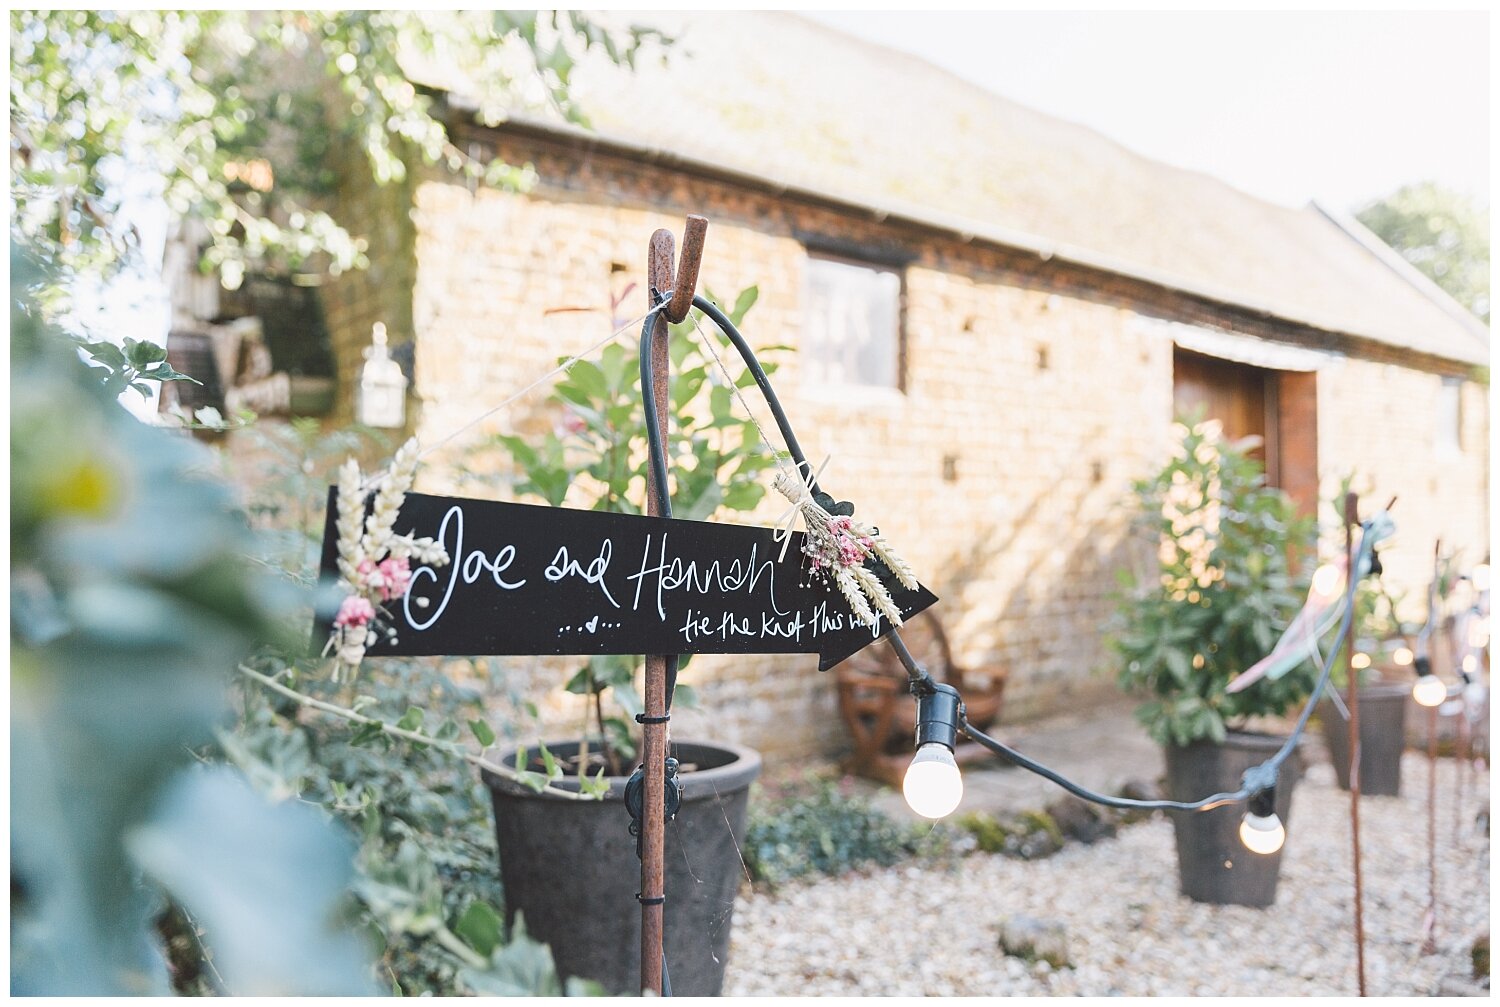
x=940, y=710
x=1261, y=831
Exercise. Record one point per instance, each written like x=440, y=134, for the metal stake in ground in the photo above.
x=1351, y=519
x=1429, y=920
x=660, y=279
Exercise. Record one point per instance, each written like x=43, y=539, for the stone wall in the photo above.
x=1030, y=403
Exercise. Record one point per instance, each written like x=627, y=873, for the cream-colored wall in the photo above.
x=1379, y=422
x=1021, y=546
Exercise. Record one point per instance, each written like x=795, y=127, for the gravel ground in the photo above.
x=931, y=929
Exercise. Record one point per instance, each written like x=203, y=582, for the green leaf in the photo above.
x=143, y=354
x=582, y=683
x=588, y=380
x=549, y=761
x=165, y=372
x=744, y=496
x=364, y=734
x=743, y=304
x=412, y=721
x=480, y=927
x=107, y=354
x=482, y=732
x=521, y=968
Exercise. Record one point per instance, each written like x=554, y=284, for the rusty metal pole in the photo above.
x=1429, y=925
x=1351, y=518
x=1429, y=921
x=1460, y=762
x=660, y=278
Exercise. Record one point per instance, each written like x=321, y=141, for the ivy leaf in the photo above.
x=107, y=354
x=165, y=372
x=143, y=353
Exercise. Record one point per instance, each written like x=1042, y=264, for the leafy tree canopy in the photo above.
x=1443, y=233
x=238, y=116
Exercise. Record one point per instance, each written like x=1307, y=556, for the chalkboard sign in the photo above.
x=524, y=579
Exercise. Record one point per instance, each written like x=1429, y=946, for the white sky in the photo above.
x=1342, y=107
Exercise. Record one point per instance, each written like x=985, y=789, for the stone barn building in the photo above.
x=995, y=317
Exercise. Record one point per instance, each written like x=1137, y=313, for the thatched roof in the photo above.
x=782, y=98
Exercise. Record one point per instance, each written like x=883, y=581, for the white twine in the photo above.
x=799, y=491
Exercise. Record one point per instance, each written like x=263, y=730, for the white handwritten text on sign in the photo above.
x=548, y=580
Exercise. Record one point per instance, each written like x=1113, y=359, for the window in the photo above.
x=1449, y=416
x=853, y=319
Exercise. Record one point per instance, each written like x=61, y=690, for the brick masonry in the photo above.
x=1027, y=382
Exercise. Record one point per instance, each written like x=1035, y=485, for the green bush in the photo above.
x=1224, y=592
x=826, y=830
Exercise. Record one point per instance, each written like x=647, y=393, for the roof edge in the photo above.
x=1394, y=260
x=965, y=230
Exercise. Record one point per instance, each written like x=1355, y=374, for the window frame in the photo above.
x=877, y=262
x=1446, y=445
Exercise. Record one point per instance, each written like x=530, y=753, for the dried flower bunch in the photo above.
x=837, y=547
x=374, y=562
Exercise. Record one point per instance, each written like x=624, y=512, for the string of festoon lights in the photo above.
x=1472, y=637
x=933, y=785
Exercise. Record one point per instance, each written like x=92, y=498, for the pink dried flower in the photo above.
x=395, y=574
x=355, y=611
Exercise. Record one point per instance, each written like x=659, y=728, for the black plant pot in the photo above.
x=570, y=868
x=1382, y=736
x=1213, y=865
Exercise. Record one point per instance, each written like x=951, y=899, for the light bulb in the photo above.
x=1429, y=691
x=1471, y=664
x=1325, y=582
x=933, y=786
x=1481, y=577
x=1403, y=656
x=1479, y=633
x=1359, y=661
x=1262, y=834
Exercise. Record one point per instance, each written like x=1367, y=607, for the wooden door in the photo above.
x=1234, y=394
x=1280, y=407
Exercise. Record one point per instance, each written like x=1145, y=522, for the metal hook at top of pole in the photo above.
x=685, y=281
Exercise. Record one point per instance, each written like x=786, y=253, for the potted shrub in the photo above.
x=569, y=867
x=1221, y=595
x=1384, y=692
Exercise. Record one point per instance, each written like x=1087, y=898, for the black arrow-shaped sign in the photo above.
x=524, y=579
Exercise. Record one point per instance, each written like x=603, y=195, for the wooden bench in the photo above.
x=881, y=714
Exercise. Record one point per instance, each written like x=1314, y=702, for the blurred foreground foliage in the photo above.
x=170, y=831
x=131, y=599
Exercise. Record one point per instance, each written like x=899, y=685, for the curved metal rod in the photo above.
x=653, y=437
